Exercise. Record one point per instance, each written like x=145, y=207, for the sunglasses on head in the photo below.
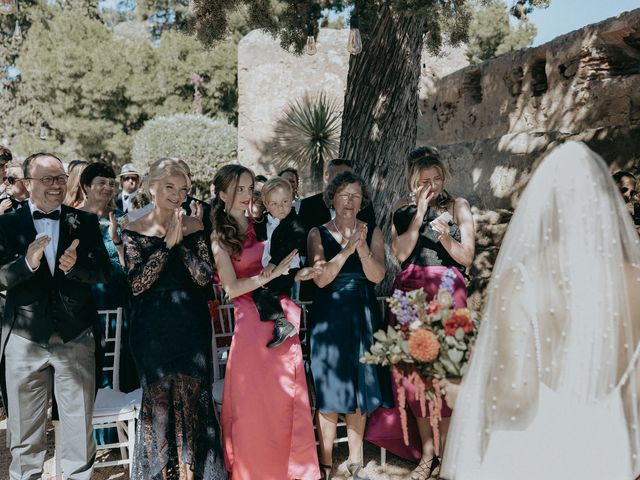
x=11, y=180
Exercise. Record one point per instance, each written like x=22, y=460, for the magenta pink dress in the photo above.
x=266, y=417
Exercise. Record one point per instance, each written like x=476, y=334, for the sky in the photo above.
x=564, y=16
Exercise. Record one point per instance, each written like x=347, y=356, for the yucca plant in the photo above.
x=308, y=134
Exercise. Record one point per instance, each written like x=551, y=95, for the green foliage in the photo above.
x=93, y=87
x=289, y=19
x=204, y=143
x=491, y=33
x=308, y=133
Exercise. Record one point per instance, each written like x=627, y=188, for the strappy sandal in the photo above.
x=326, y=471
x=427, y=470
x=354, y=470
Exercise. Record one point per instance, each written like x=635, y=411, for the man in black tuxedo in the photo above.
x=49, y=256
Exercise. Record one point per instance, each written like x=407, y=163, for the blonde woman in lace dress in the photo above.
x=169, y=268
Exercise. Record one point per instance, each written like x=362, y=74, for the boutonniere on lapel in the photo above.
x=72, y=221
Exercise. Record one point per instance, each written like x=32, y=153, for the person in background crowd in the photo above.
x=193, y=206
x=432, y=236
x=50, y=254
x=258, y=210
x=169, y=268
x=98, y=181
x=129, y=182
x=628, y=186
x=290, y=174
x=75, y=195
x=5, y=158
x=343, y=318
x=266, y=416
x=212, y=191
x=15, y=188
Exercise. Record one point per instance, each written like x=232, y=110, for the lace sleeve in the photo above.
x=195, y=255
x=143, y=272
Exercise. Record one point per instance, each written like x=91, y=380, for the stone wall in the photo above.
x=586, y=79
x=494, y=122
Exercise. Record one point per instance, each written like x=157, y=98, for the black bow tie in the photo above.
x=38, y=215
x=126, y=197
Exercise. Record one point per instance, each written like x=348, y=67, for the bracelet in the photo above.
x=370, y=254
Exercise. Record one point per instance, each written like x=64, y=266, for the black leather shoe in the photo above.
x=281, y=332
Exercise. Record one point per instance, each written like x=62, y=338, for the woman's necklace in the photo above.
x=342, y=235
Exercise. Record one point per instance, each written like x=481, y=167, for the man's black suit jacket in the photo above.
x=39, y=304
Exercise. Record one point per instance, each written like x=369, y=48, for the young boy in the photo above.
x=285, y=233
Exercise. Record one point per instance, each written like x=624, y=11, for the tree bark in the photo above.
x=379, y=123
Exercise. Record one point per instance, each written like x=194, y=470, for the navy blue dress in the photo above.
x=343, y=318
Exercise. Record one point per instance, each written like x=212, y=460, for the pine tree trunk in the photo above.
x=379, y=123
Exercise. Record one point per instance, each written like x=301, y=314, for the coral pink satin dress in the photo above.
x=266, y=416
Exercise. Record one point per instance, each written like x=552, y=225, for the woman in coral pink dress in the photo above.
x=266, y=416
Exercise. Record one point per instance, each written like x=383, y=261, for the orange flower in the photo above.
x=424, y=345
x=459, y=319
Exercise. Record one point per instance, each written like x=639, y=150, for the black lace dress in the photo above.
x=171, y=345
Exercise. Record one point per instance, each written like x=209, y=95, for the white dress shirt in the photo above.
x=52, y=229
x=126, y=200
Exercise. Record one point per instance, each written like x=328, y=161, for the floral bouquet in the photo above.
x=431, y=341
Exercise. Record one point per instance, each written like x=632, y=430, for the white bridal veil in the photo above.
x=552, y=387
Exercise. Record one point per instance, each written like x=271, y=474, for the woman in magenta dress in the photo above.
x=433, y=249
x=266, y=416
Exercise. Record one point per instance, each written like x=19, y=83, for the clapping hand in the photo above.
x=69, y=257
x=113, y=229
x=363, y=248
x=354, y=241
x=174, y=231
x=5, y=205
x=307, y=273
x=36, y=250
x=284, y=265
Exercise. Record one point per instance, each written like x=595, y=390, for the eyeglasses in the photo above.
x=49, y=180
x=624, y=190
x=130, y=179
x=349, y=196
x=11, y=180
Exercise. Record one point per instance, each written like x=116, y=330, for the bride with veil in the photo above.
x=552, y=389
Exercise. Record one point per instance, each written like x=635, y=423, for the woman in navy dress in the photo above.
x=343, y=318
